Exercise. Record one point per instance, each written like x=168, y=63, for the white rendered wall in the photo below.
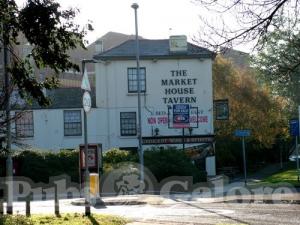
x=49, y=130
x=113, y=97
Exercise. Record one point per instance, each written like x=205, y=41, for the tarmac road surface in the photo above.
x=176, y=212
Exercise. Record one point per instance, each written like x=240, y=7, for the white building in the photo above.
x=172, y=72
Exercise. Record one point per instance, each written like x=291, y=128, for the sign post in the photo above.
x=243, y=134
x=85, y=85
x=181, y=118
x=294, y=131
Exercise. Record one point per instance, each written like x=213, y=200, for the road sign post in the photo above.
x=294, y=131
x=244, y=160
x=181, y=118
x=243, y=134
x=297, y=158
x=85, y=85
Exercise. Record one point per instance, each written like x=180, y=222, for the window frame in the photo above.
x=19, y=124
x=129, y=87
x=67, y=123
x=124, y=134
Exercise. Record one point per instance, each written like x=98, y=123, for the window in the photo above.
x=24, y=124
x=72, y=123
x=128, y=123
x=132, y=80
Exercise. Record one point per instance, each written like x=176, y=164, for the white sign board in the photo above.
x=178, y=43
x=86, y=101
x=85, y=84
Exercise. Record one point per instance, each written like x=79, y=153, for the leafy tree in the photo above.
x=242, y=21
x=50, y=31
x=251, y=105
x=278, y=64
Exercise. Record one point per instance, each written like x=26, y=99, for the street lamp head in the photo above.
x=135, y=6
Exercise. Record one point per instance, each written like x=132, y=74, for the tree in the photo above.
x=243, y=21
x=278, y=64
x=51, y=32
x=251, y=106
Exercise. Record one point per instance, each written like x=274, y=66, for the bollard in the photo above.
x=56, y=202
x=28, y=199
x=1, y=207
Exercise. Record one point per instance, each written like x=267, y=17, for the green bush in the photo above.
x=40, y=165
x=115, y=155
x=164, y=163
x=113, y=158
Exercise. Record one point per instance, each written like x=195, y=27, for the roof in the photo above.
x=239, y=58
x=150, y=49
x=111, y=39
x=66, y=98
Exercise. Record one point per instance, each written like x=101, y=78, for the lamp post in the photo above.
x=135, y=6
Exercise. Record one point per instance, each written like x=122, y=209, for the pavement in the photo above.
x=262, y=173
x=224, y=203
x=180, y=209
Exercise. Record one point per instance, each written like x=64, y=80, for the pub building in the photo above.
x=173, y=73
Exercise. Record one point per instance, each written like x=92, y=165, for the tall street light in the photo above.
x=135, y=6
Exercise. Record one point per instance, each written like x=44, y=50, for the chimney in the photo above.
x=99, y=46
x=178, y=43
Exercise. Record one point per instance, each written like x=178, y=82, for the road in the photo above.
x=176, y=211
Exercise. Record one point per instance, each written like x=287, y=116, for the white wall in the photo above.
x=49, y=130
x=113, y=97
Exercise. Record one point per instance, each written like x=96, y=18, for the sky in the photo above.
x=157, y=19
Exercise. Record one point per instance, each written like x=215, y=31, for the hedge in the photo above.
x=40, y=165
x=163, y=163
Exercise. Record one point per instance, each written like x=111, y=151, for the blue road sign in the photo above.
x=294, y=127
x=181, y=115
x=242, y=133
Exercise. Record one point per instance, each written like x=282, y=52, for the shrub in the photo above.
x=115, y=155
x=163, y=163
x=40, y=165
x=169, y=162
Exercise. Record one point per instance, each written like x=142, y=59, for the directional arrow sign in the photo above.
x=85, y=84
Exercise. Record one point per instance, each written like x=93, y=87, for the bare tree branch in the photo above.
x=241, y=21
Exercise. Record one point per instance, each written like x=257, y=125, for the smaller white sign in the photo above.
x=178, y=43
x=85, y=84
x=86, y=101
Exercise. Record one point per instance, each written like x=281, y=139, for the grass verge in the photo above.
x=65, y=219
x=288, y=176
